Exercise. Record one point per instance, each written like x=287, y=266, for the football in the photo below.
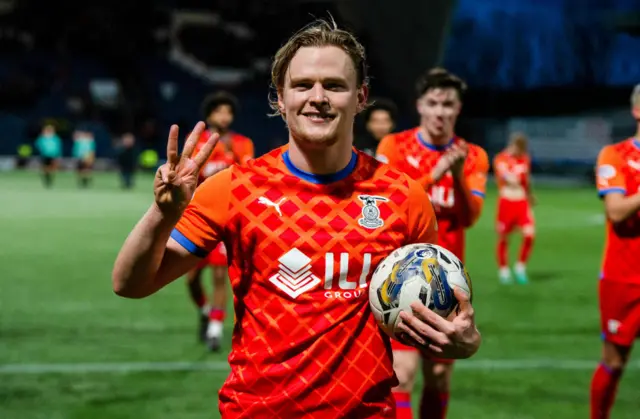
x=424, y=273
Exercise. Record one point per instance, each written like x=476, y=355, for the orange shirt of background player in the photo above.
x=409, y=153
x=618, y=171
x=505, y=164
x=236, y=149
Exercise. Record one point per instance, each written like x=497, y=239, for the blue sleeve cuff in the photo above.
x=188, y=244
x=478, y=193
x=606, y=191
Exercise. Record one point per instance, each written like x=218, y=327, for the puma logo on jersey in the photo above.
x=414, y=161
x=265, y=201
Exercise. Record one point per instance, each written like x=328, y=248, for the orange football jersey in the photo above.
x=618, y=171
x=408, y=152
x=506, y=164
x=231, y=149
x=302, y=249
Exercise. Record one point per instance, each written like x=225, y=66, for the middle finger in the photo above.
x=423, y=329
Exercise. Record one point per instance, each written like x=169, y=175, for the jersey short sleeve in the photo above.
x=386, y=151
x=422, y=224
x=609, y=176
x=477, y=175
x=204, y=221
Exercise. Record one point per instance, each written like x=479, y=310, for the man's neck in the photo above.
x=224, y=134
x=321, y=161
x=638, y=132
x=437, y=141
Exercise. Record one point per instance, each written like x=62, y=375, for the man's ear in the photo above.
x=281, y=107
x=363, y=95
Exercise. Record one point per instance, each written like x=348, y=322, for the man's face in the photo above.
x=320, y=97
x=517, y=150
x=439, y=109
x=635, y=108
x=48, y=130
x=221, y=118
x=518, y=145
x=379, y=124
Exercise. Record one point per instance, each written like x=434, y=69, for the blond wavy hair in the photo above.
x=320, y=33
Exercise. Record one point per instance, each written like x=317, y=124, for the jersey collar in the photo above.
x=320, y=179
x=430, y=146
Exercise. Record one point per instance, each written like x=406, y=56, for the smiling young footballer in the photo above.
x=304, y=227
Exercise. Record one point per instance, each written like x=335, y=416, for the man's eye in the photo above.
x=334, y=87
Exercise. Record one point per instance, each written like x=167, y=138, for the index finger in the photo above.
x=430, y=317
x=206, y=150
x=464, y=300
x=172, y=146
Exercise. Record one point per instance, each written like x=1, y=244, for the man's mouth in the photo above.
x=318, y=117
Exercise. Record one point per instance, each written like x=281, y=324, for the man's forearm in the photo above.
x=468, y=204
x=622, y=207
x=141, y=254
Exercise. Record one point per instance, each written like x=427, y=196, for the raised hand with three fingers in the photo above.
x=438, y=337
x=176, y=180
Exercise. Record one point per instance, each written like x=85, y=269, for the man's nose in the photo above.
x=318, y=94
x=438, y=110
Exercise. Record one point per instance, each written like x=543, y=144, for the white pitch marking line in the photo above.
x=130, y=367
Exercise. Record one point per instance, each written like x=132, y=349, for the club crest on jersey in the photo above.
x=606, y=171
x=370, y=211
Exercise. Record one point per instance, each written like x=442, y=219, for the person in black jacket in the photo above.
x=127, y=159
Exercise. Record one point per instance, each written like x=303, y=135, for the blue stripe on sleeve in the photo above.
x=188, y=244
x=603, y=192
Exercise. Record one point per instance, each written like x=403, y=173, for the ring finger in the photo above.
x=410, y=335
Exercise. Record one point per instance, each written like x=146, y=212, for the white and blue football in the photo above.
x=425, y=273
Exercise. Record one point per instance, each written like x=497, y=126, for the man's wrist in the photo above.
x=165, y=218
x=436, y=175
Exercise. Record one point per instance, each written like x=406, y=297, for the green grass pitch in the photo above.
x=69, y=348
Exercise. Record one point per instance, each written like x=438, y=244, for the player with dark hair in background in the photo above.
x=379, y=121
x=454, y=173
x=219, y=110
